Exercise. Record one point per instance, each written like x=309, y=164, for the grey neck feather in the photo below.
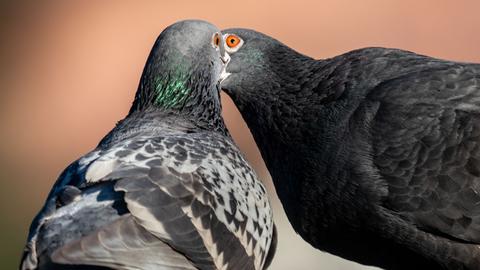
x=190, y=95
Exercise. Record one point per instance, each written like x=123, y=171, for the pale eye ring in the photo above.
x=232, y=42
x=216, y=39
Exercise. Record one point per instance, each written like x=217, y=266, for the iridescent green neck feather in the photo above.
x=171, y=91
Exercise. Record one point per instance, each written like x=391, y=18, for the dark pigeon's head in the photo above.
x=184, y=69
x=259, y=66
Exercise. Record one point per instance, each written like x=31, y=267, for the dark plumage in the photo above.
x=375, y=154
x=166, y=188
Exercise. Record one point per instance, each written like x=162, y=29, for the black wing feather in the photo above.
x=426, y=137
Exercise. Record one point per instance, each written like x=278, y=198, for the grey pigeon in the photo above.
x=167, y=188
x=375, y=154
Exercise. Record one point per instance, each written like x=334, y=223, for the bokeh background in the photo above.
x=69, y=70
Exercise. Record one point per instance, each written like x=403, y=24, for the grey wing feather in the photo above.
x=162, y=215
x=122, y=245
x=272, y=250
x=58, y=224
x=426, y=137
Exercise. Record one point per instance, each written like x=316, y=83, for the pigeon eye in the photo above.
x=216, y=40
x=233, y=42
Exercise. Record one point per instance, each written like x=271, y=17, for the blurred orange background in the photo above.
x=69, y=71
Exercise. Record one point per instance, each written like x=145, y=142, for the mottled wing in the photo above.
x=426, y=139
x=196, y=193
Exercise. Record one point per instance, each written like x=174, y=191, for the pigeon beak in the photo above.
x=225, y=58
x=224, y=74
x=223, y=53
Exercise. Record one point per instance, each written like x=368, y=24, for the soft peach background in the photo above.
x=69, y=70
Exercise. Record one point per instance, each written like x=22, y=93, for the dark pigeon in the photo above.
x=167, y=188
x=375, y=154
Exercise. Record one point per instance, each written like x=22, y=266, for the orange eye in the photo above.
x=216, y=39
x=232, y=41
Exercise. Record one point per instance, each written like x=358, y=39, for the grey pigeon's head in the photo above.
x=183, y=70
x=259, y=65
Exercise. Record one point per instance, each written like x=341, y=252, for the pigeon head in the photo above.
x=260, y=68
x=263, y=76
x=183, y=71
